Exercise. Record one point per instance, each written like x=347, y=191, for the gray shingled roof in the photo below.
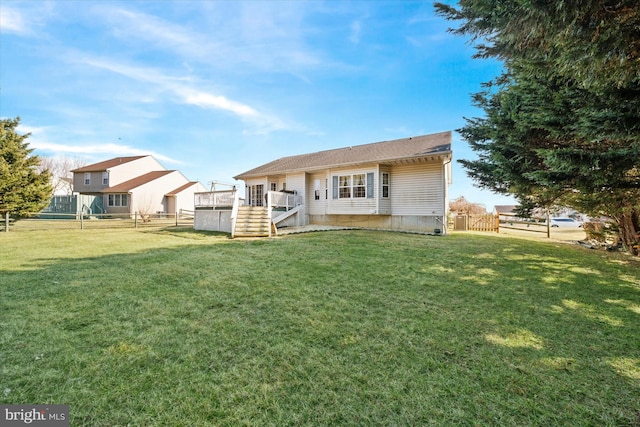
x=377, y=152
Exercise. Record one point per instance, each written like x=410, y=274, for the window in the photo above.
x=273, y=186
x=385, y=184
x=256, y=195
x=359, y=186
x=87, y=178
x=118, y=200
x=316, y=189
x=105, y=178
x=344, y=187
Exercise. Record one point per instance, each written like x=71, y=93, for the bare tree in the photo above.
x=60, y=168
x=463, y=206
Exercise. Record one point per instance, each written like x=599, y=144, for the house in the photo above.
x=126, y=185
x=399, y=185
x=505, y=212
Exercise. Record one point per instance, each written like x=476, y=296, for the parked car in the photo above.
x=565, y=222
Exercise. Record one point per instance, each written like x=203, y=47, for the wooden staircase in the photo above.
x=252, y=221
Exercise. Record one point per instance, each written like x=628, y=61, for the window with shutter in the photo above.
x=356, y=186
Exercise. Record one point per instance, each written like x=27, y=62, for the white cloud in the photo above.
x=12, y=21
x=153, y=32
x=154, y=29
x=114, y=150
x=183, y=88
x=24, y=129
x=144, y=74
x=206, y=100
x=255, y=36
x=39, y=140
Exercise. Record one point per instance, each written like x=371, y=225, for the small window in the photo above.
x=385, y=184
x=87, y=178
x=316, y=189
x=273, y=186
x=105, y=178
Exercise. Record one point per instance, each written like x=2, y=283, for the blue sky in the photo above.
x=214, y=88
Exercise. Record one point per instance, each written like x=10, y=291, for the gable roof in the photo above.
x=505, y=208
x=107, y=164
x=182, y=188
x=377, y=152
x=126, y=186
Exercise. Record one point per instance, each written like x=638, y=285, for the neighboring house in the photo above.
x=505, y=212
x=135, y=184
x=400, y=185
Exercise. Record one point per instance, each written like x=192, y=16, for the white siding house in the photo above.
x=400, y=184
x=136, y=184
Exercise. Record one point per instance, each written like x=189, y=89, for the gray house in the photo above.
x=399, y=185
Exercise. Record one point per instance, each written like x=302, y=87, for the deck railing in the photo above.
x=279, y=200
x=223, y=199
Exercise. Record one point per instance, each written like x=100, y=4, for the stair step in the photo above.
x=252, y=221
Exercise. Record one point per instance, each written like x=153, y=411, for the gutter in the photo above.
x=243, y=177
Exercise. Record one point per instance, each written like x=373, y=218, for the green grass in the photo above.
x=180, y=328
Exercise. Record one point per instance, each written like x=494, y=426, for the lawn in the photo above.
x=180, y=328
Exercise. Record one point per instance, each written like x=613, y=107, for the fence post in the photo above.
x=177, y=217
x=135, y=220
x=6, y=221
x=82, y=219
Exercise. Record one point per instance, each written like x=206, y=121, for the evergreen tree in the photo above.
x=562, y=124
x=23, y=189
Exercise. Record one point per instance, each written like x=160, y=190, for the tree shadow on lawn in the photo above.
x=326, y=328
x=187, y=232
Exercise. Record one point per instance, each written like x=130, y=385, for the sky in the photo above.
x=215, y=88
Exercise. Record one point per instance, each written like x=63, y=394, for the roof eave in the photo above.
x=447, y=153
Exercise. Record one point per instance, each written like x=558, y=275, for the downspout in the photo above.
x=445, y=209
